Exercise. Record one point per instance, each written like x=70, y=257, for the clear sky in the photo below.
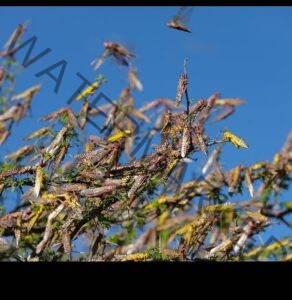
x=242, y=52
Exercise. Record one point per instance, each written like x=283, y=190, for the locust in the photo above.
x=238, y=142
x=91, y=175
x=83, y=114
x=88, y=155
x=125, y=95
x=182, y=85
x=134, y=81
x=234, y=178
x=213, y=159
x=199, y=135
x=197, y=108
x=44, y=131
x=168, y=103
x=9, y=47
x=13, y=113
x=97, y=141
x=181, y=88
x=179, y=20
x=88, y=147
x=73, y=187
x=39, y=177
x=55, y=145
x=2, y=75
x=186, y=141
x=60, y=156
x=130, y=139
x=229, y=102
x=20, y=153
x=4, y=133
x=15, y=36
x=17, y=171
x=119, y=52
x=48, y=230
x=111, y=116
x=115, y=153
x=118, y=135
x=91, y=89
x=28, y=94
x=210, y=102
x=133, y=166
x=95, y=192
x=138, y=182
x=61, y=113
x=122, y=114
x=248, y=182
x=167, y=123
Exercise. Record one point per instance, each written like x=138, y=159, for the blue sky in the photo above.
x=240, y=52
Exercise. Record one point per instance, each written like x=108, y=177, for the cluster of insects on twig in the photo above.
x=67, y=193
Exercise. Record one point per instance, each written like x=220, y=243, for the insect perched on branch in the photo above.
x=182, y=86
x=28, y=94
x=9, y=47
x=238, y=142
x=91, y=89
x=2, y=75
x=185, y=143
x=179, y=21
